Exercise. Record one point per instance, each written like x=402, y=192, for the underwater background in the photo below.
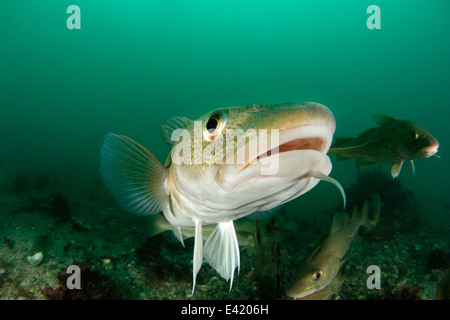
x=135, y=64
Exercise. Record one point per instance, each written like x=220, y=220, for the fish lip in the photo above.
x=304, y=143
x=304, y=137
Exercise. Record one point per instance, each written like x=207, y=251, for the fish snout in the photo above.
x=431, y=149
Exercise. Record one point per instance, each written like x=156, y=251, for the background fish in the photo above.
x=217, y=189
x=393, y=141
x=322, y=265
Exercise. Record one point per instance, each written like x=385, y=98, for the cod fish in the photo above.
x=226, y=165
x=443, y=288
x=393, y=141
x=321, y=267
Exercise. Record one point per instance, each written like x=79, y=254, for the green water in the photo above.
x=134, y=64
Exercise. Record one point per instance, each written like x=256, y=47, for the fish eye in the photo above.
x=213, y=123
x=317, y=274
x=414, y=135
x=213, y=127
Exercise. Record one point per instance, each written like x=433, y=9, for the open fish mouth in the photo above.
x=311, y=143
x=295, y=153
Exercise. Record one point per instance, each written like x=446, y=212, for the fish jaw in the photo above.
x=304, y=289
x=429, y=147
x=289, y=149
x=304, y=283
x=304, y=137
x=264, y=192
x=283, y=170
x=289, y=168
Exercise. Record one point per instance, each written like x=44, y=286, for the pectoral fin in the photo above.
x=222, y=250
x=133, y=175
x=395, y=170
x=382, y=119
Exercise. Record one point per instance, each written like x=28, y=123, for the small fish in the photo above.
x=228, y=164
x=393, y=141
x=322, y=265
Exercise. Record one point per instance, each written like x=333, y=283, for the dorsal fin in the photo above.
x=382, y=119
x=168, y=129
